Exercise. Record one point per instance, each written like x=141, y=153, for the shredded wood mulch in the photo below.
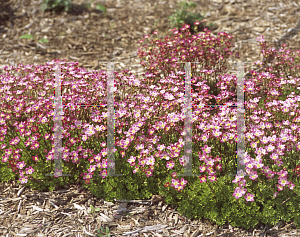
x=89, y=37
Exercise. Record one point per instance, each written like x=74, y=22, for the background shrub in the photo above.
x=182, y=16
x=56, y=5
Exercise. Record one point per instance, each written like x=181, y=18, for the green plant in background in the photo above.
x=93, y=209
x=27, y=36
x=101, y=8
x=6, y=174
x=102, y=231
x=156, y=21
x=56, y=5
x=182, y=16
x=86, y=5
x=98, y=6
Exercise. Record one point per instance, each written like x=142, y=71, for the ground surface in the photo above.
x=90, y=37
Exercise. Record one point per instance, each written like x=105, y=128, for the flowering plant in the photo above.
x=151, y=140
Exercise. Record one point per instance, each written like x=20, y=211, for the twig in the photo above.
x=285, y=200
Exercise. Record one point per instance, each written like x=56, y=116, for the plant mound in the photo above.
x=150, y=156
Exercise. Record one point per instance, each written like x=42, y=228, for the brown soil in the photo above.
x=87, y=35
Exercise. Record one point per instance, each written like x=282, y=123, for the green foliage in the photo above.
x=86, y=5
x=56, y=5
x=182, y=16
x=130, y=186
x=27, y=36
x=40, y=180
x=214, y=201
x=98, y=6
x=6, y=174
x=101, y=8
x=93, y=209
x=100, y=233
